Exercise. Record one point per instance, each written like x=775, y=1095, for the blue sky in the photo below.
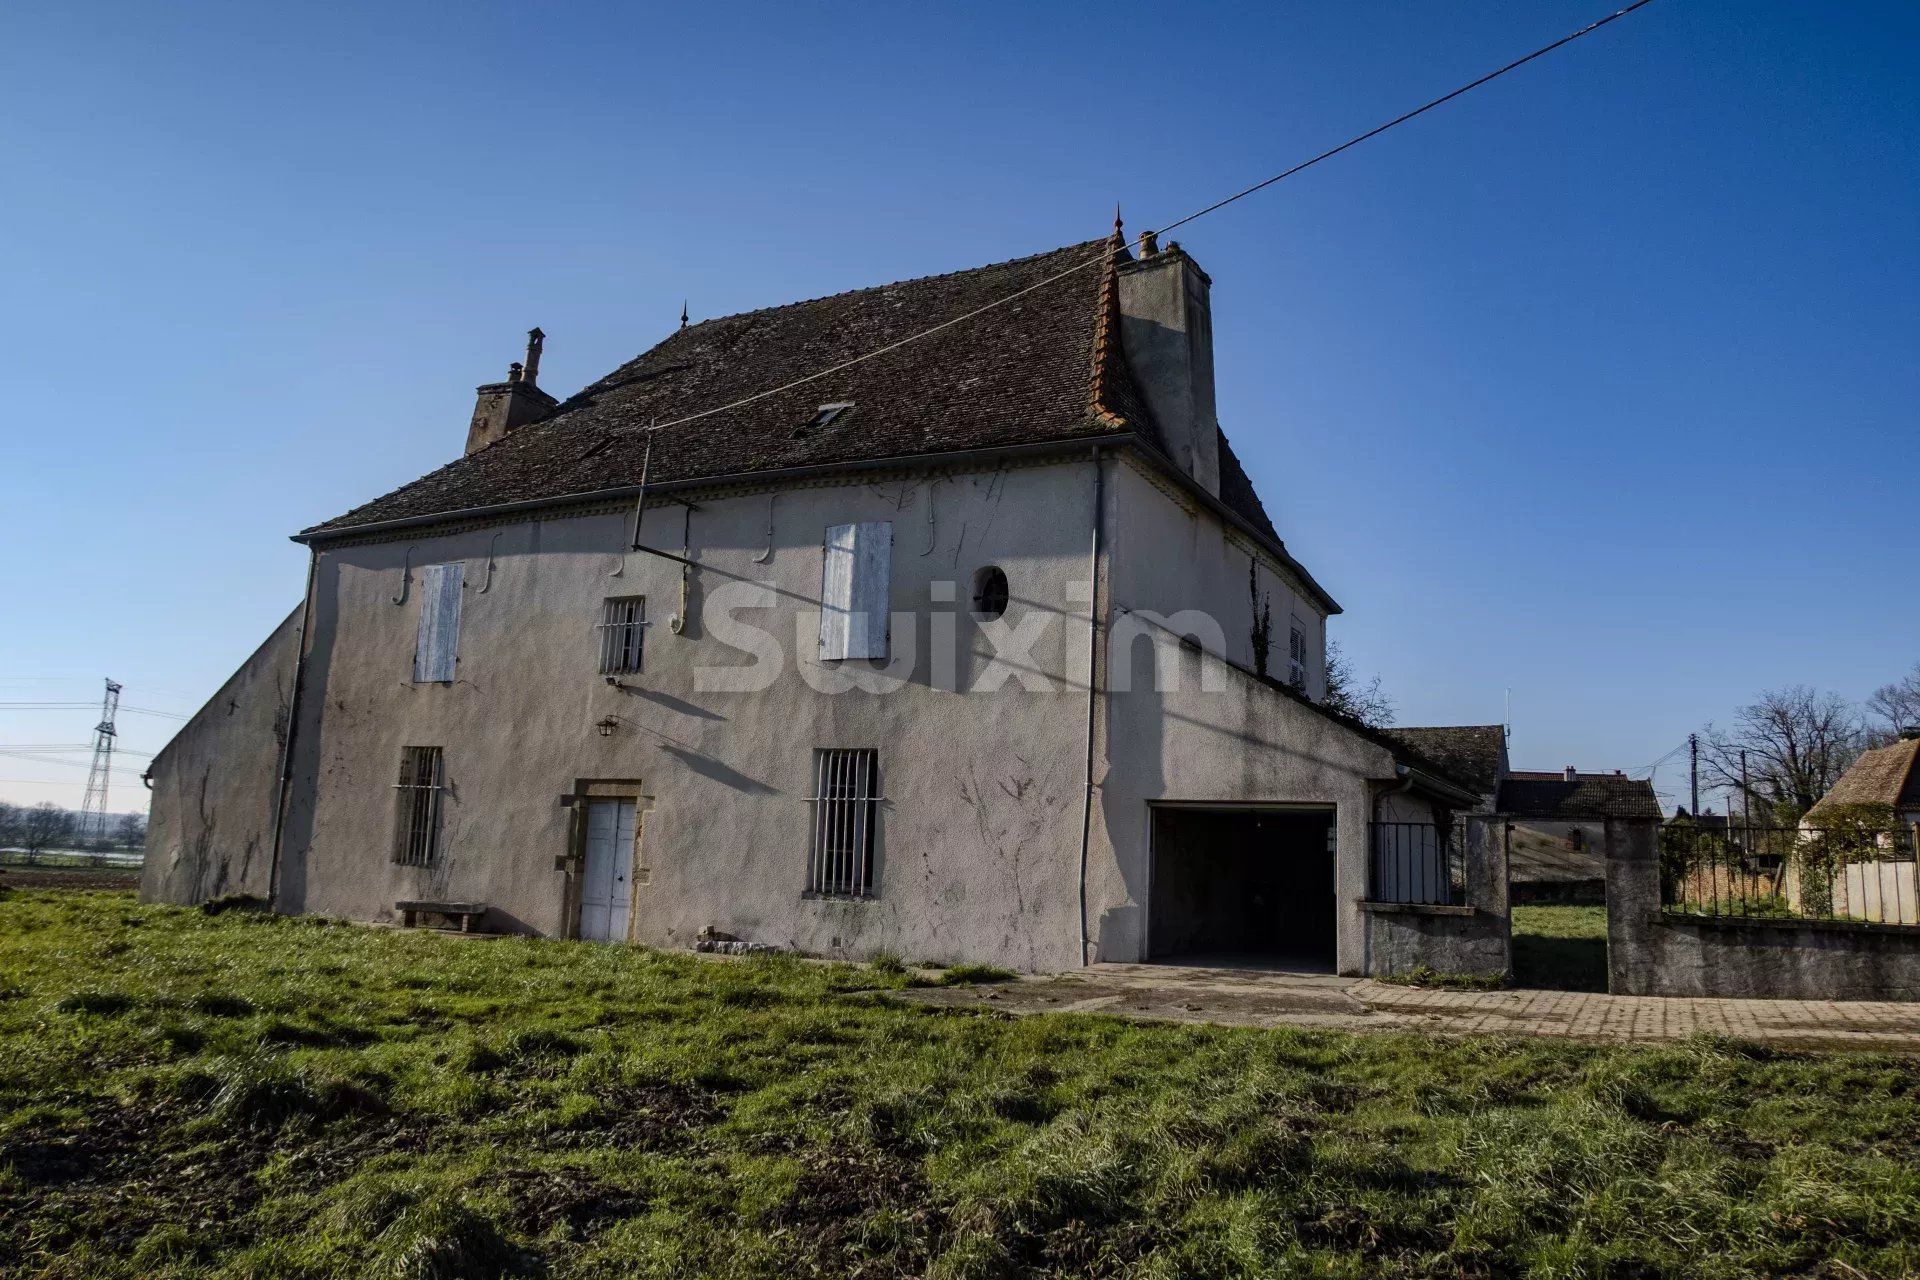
x=1598, y=384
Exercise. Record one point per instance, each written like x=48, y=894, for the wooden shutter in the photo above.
x=439, y=642
x=856, y=590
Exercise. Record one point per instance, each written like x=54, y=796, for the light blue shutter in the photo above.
x=439, y=642
x=855, y=590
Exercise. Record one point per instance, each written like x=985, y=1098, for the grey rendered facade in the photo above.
x=1033, y=768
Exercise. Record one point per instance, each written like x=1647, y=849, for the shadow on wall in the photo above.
x=719, y=771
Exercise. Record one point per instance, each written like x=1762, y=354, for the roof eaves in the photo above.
x=1072, y=445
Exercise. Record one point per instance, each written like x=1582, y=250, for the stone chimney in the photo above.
x=1166, y=330
x=1572, y=774
x=503, y=406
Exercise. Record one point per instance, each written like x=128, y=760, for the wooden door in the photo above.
x=606, y=890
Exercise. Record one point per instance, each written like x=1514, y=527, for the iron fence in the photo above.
x=1859, y=873
x=1418, y=862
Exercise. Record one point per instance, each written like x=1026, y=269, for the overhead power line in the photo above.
x=46, y=782
x=1651, y=769
x=10, y=748
x=67, y=764
x=1202, y=212
x=80, y=706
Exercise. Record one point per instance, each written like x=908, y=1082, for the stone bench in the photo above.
x=464, y=913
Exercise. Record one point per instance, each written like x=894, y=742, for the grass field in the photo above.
x=233, y=1095
x=1564, y=948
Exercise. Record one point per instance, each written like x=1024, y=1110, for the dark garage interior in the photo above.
x=1240, y=885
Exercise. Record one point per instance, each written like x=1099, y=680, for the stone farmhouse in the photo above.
x=980, y=648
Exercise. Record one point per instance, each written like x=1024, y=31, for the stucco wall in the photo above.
x=1230, y=741
x=1559, y=851
x=1651, y=953
x=983, y=768
x=1170, y=555
x=210, y=827
x=979, y=831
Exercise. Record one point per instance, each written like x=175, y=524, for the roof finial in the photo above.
x=1117, y=224
x=683, y=314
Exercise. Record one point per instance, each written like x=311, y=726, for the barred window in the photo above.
x=416, y=828
x=623, y=630
x=846, y=801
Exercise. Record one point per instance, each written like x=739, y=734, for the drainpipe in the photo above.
x=1405, y=775
x=1093, y=686
x=293, y=721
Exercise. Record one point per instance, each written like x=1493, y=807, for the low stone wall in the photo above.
x=1655, y=953
x=1402, y=937
x=1473, y=939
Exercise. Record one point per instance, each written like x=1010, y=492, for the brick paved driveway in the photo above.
x=1252, y=997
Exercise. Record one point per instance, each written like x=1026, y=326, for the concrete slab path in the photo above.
x=1265, y=998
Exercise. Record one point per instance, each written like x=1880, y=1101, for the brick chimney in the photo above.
x=502, y=406
x=1166, y=330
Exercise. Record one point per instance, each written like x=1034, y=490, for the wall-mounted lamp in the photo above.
x=607, y=726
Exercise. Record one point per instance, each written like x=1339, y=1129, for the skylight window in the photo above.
x=826, y=417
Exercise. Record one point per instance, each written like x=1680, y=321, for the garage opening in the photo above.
x=1243, y=886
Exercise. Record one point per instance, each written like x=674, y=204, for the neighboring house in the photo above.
x=1558, y=829
x=970, y=651
x=1555, y=822
x=1888, y=775
x=1883, y=888
x=1476, y=754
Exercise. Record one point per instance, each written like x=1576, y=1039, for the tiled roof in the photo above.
x=1044, y=368
x=1236, y=490
x=1549, y=797
x=1473, y=753
x=1883, y=776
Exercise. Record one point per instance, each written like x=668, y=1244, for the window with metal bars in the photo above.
x=623, y=632
x=846, y=809
x=416, y=828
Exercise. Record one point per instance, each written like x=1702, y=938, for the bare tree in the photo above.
x=1797, y=742
x=9, y=825
x=131, y=831
x=1898, y=703
x=1366, y=703
x=43, y=825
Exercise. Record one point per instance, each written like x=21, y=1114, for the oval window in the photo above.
x=989, y=592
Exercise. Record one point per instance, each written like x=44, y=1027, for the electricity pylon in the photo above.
x=93, y=809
